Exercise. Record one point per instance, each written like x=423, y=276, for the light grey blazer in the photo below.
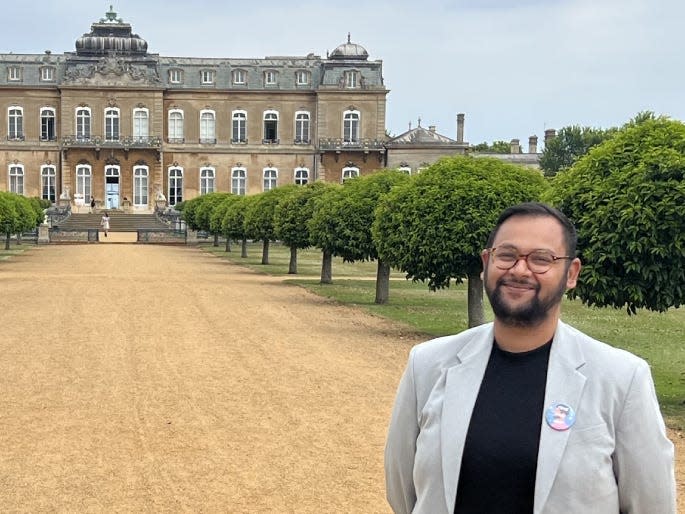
x=616, y=458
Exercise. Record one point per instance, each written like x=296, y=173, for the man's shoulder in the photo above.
x=444, y=351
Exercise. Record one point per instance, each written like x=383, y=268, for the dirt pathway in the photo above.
x=150, y=378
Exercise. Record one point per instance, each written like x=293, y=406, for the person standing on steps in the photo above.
x=104, y=222
x=92, y=205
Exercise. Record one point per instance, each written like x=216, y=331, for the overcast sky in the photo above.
x=514, y=68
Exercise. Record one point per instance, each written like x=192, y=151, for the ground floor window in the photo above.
x=206, y=181
x=48, y=178
x=238, y=181
x=175, y=186
x=349, y=172
x=84, y=181
x=301, y=176
x=140, y=186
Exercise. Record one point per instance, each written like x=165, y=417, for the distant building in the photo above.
x=116, y=122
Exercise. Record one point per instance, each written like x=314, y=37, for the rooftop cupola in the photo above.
x=349, y=51
x=111, y=36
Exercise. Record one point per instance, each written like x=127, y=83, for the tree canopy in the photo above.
x=570, y=143
x=435, y=226
x=627, y=200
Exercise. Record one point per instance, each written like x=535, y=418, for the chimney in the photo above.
x=515, y=146
x=431, y=128
x=533, y=144
x=549, y=135
x=460, y=128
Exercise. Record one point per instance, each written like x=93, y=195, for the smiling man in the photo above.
x=526, y=414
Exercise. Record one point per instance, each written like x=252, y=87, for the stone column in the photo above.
x=460, y=128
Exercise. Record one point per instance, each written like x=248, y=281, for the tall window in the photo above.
x=83, y=180
x=17, y=179
x=270, y=178
x=175, y=126
x=270, y=127
x=83, y=123
x=15, y=118
x=48, y=180
x=112, y=124
x=207, y=127
x=206, y=180
x=140, y=186
x=47, y=73
x=301, y=127
x=301, y=176
x=351, y=79
x=238, y=181
x=175, y=186
x=47, y=124
x=349, y=172
x=239, y=77
x=141, y=124
x=302, y=77
x=351, y=127
x=239, y=127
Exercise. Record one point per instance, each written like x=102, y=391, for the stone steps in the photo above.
x=118, y=222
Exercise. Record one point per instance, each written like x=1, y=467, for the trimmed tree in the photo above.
x=202, y=213
x=259, y=217
x=8, y=216
x=323, y=227
x=292, y=216
x=627, y=200
x=435, y=226
x=233, y=223
x=216, y=217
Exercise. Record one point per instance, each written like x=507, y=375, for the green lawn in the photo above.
x=657, y=337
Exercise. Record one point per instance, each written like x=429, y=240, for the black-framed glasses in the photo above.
x=538, y=261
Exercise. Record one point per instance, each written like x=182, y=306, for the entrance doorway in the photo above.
x=112, y=187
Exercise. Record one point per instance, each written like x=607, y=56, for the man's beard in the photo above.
x=530, y=314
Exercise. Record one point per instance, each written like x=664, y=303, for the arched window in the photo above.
x=47, y=124
x=15, y=118
x=301, y=176
x=239, y=77
x=175, y=186
x=83, y=180
x=270, y=178
x=349, y=172
x=302, y=127
x=175, y=126
x=83, y=123
x=239, y=134
x=301, y=77
x=48, y=180
x=270, y=127
x=207, y=127
x=141, y=124
x=206, y=180
x=16, y=175
x=351, y=127
x=112, y=118
x=239, y=181
x=140, y=186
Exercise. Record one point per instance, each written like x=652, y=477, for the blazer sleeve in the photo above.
x=400, y=448
x=643, y=458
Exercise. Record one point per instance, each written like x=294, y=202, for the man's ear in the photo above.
x=572, y=273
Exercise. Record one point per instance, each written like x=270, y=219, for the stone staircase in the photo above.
x=118, y=222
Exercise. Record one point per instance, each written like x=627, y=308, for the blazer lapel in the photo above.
x=564, y=385
x=462, y=383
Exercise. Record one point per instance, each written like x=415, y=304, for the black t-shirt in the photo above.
x=501, y=449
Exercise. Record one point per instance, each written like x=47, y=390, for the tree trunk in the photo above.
x=216, y=239
x=292, y=267
x=18, y=238
x=7, y=241
x=228, y=244
x=327, y=268
x=265, y=252
x=243, y=248
x=475, y=300
x=382, y=282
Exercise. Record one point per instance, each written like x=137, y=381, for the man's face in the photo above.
x=518, y=296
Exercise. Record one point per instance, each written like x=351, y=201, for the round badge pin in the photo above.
x=560, y=416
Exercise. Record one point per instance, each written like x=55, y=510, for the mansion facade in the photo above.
x=128, y=127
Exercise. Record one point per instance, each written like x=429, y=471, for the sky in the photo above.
x=514, y=67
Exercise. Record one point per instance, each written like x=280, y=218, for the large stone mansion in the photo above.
x=128, y=127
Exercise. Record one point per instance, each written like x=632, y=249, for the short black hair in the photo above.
x=536, y=210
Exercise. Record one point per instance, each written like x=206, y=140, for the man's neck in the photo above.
x=523, y=339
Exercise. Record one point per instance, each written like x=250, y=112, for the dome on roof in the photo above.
x=110, y=35
x=349, y=50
